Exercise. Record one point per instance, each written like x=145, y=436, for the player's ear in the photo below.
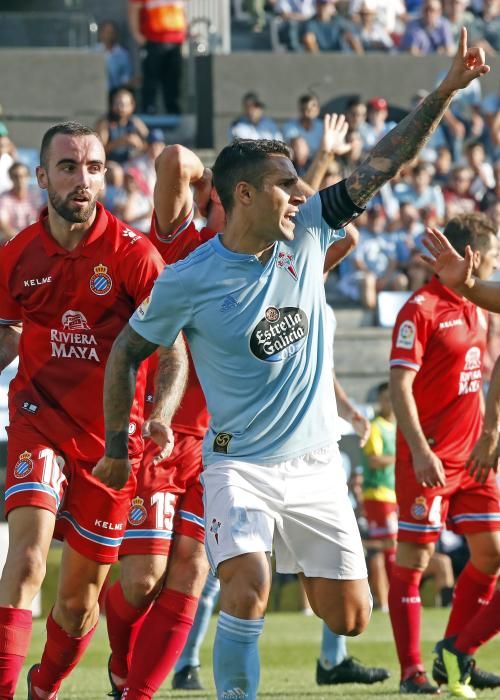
x=244, y=193
x=41, y=176
x=476, y=259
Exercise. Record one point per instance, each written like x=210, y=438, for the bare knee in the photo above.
x=142, y=578
x=414, y=556
x=24, y=571
x=187, y=567
x=245, y=587
x=76, y=613
x=349, y=620
x=485, y=551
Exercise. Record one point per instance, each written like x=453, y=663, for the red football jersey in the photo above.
x=192, y=415
x=442, y=336
x=72, y=305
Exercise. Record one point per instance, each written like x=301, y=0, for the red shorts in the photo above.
x=382, y=519
x=91, y=517
x=463, y=504
x=166, y=503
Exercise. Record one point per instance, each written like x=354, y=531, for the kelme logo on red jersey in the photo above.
x=24, y=465
x=101, y=282
x=137, y=513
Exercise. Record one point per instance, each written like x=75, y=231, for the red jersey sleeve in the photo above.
x=410, y=337
x=141, y=265
x=10, y=309
x=178, y=244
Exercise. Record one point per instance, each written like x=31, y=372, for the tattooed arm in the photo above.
x=170, y=383
x=403, y=143
x=127, y=353
x=9, y=343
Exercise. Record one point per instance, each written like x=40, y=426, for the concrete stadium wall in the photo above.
x=281, y=78
x=39, y=87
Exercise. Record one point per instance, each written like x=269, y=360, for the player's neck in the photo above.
x=239, y=237
x=67, y=234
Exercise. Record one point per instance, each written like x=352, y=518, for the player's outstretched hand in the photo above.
x=335, y=129
x=468, y=64
x=112, y=472
x=162, y=434
x=428, y=469
x=453, y=270
x=484, y=457
x=361, y=427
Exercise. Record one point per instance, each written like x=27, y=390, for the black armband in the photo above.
x=338, y=209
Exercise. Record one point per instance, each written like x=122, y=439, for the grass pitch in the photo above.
x=289, y=648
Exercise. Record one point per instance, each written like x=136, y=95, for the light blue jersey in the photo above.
x=258, y=341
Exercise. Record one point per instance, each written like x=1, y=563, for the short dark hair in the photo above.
x=243, y=161
x=308, y=97
x=354, y=102
x=470, y=229
x=68, y=128
x=384, y=386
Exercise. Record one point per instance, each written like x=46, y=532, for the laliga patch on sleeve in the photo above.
x=406, y=335
x=142, y=308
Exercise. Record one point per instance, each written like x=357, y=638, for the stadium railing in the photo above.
x=47, y=29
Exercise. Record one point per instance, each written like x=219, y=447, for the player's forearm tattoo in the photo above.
x=170, y=380
x=127, y=353
x=397, y=148
x=9, y=343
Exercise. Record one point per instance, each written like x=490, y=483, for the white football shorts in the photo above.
x=300, y=506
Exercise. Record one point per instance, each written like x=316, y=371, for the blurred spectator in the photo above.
x=457, y=195
x=376, y=125
x=328, y=31
x=7, y=153
x=389, y=13
x=490, y=109
x=19, y=207
x=458, y=15
x=459, y=118
x=430, y=33
x=374, y=264
x=355, y=113
x=160, y=28
x=493, y=194
x=300, y=154
x=144, y=165
x=442, y=165
x=114, y=195
x=422, y=193
x=352, y=159
x=484, y=30
x=493, y=211
x=252, y=124
x=308, y=125
x=3, y=127
x=372, y=35
x=137, y=207
x=122, y=132
x=440, y=570
x=293, y=13
x=119, y=67
x=484, y=177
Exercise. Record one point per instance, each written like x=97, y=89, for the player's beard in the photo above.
x=64, y=208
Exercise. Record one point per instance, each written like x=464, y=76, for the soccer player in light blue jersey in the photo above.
x=251, y=305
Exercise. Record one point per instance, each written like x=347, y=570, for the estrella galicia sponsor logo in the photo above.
x=280, y=334
x=221, y=442
x=24, y=465
x=137, y=513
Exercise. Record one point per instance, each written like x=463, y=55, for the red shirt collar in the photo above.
x=446, y=292
x=52, y=247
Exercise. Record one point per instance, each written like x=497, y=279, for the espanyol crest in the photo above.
x=100, y=282
x=137, y=513
x=24, y=465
